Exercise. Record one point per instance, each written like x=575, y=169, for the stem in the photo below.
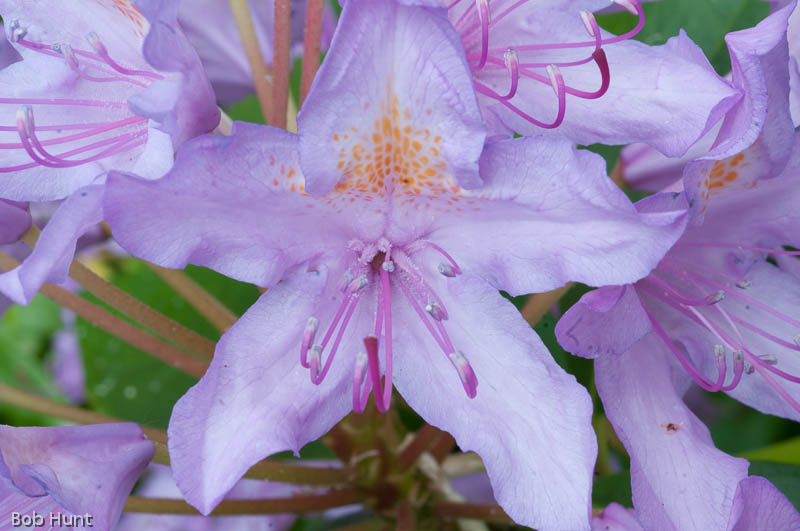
x=294, y=504
x=101, y=318
x=132, y=307
x=225, y=126
x=140, y=312
x=420, y=442
x=488, y=513
x=244, y=23
x=311, y=46
x=405, y=517
x=442, y=446
x=38, y=404
x=539, y=304
x=280, y=62
x=201, y=300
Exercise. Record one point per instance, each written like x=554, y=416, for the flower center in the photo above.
x=91, y=136
x=699, y=292
x=385, y=265
x=476, y=23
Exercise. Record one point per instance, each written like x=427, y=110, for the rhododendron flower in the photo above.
x=91, y=76
x=714, y=311
x=95, y=87
x=71, y=470
x=384, y=233
x=759, y=123
x=545, y=65
x=210, y=27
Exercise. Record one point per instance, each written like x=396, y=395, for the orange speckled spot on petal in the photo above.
x=395, y=144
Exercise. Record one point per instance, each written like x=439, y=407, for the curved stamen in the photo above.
x=557, y=82
x=102, y=52
x=512, y=64
x=687, y=365
x=27, y=134
x=72, y=61
x=583, y=44
x=465, y=373
x=318, y=375
x=96, y=129
x=308, y=338
x=453, y=265
x=483, y=16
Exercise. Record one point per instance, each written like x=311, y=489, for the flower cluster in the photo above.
x=434, y=173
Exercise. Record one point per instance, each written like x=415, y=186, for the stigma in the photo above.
x=392, y=271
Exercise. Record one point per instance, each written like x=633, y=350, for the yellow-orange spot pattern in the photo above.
x=129, y=11
x=724, y=173
x=394, y=158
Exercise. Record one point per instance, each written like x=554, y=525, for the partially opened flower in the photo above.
x=210, y=27
x=72, y=470
x=96, y=86
x=545, y=65
x=384, y=236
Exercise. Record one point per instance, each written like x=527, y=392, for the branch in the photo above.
x=294, y=504
x=201, y=300
x=281, y=62
x=311, y=46
x=101, y=318
x=244, y=23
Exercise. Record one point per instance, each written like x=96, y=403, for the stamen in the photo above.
x=435, y=311
x=590, y=23
x=308, y=338
x=714, y=298
x=465, y=372
x=483, y=16
x=627, y=4
x=101, y=50
x=17, y=32
x=315, y=362
x=446, y=270
x=743, y=284
x=453, y=264
x=512, y=64
x=359, y=374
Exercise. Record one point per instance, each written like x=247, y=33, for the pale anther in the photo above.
x=716, y=297
x=744, y=284
x=435, y=311
x=446, y=270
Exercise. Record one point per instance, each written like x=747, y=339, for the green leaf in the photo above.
x=25, y=333
x=613, y=488
x=785, y=477
x=706, y=22
x=787, y=452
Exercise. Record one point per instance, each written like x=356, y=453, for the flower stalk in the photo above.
x=311, y=46
x=127, y=332
x=132, y=307
x=294, y=504
x=201, y=300
x=263, y=86
x=281, y=62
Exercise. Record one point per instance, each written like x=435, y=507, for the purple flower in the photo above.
x=104, y=107
x=390, y=233
x=714, y=312
x=210, y=27
x=759, y=123
x=613, y=90
x=89, y=78
x=72, y=470
x=615, y=517
x=14, y=221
